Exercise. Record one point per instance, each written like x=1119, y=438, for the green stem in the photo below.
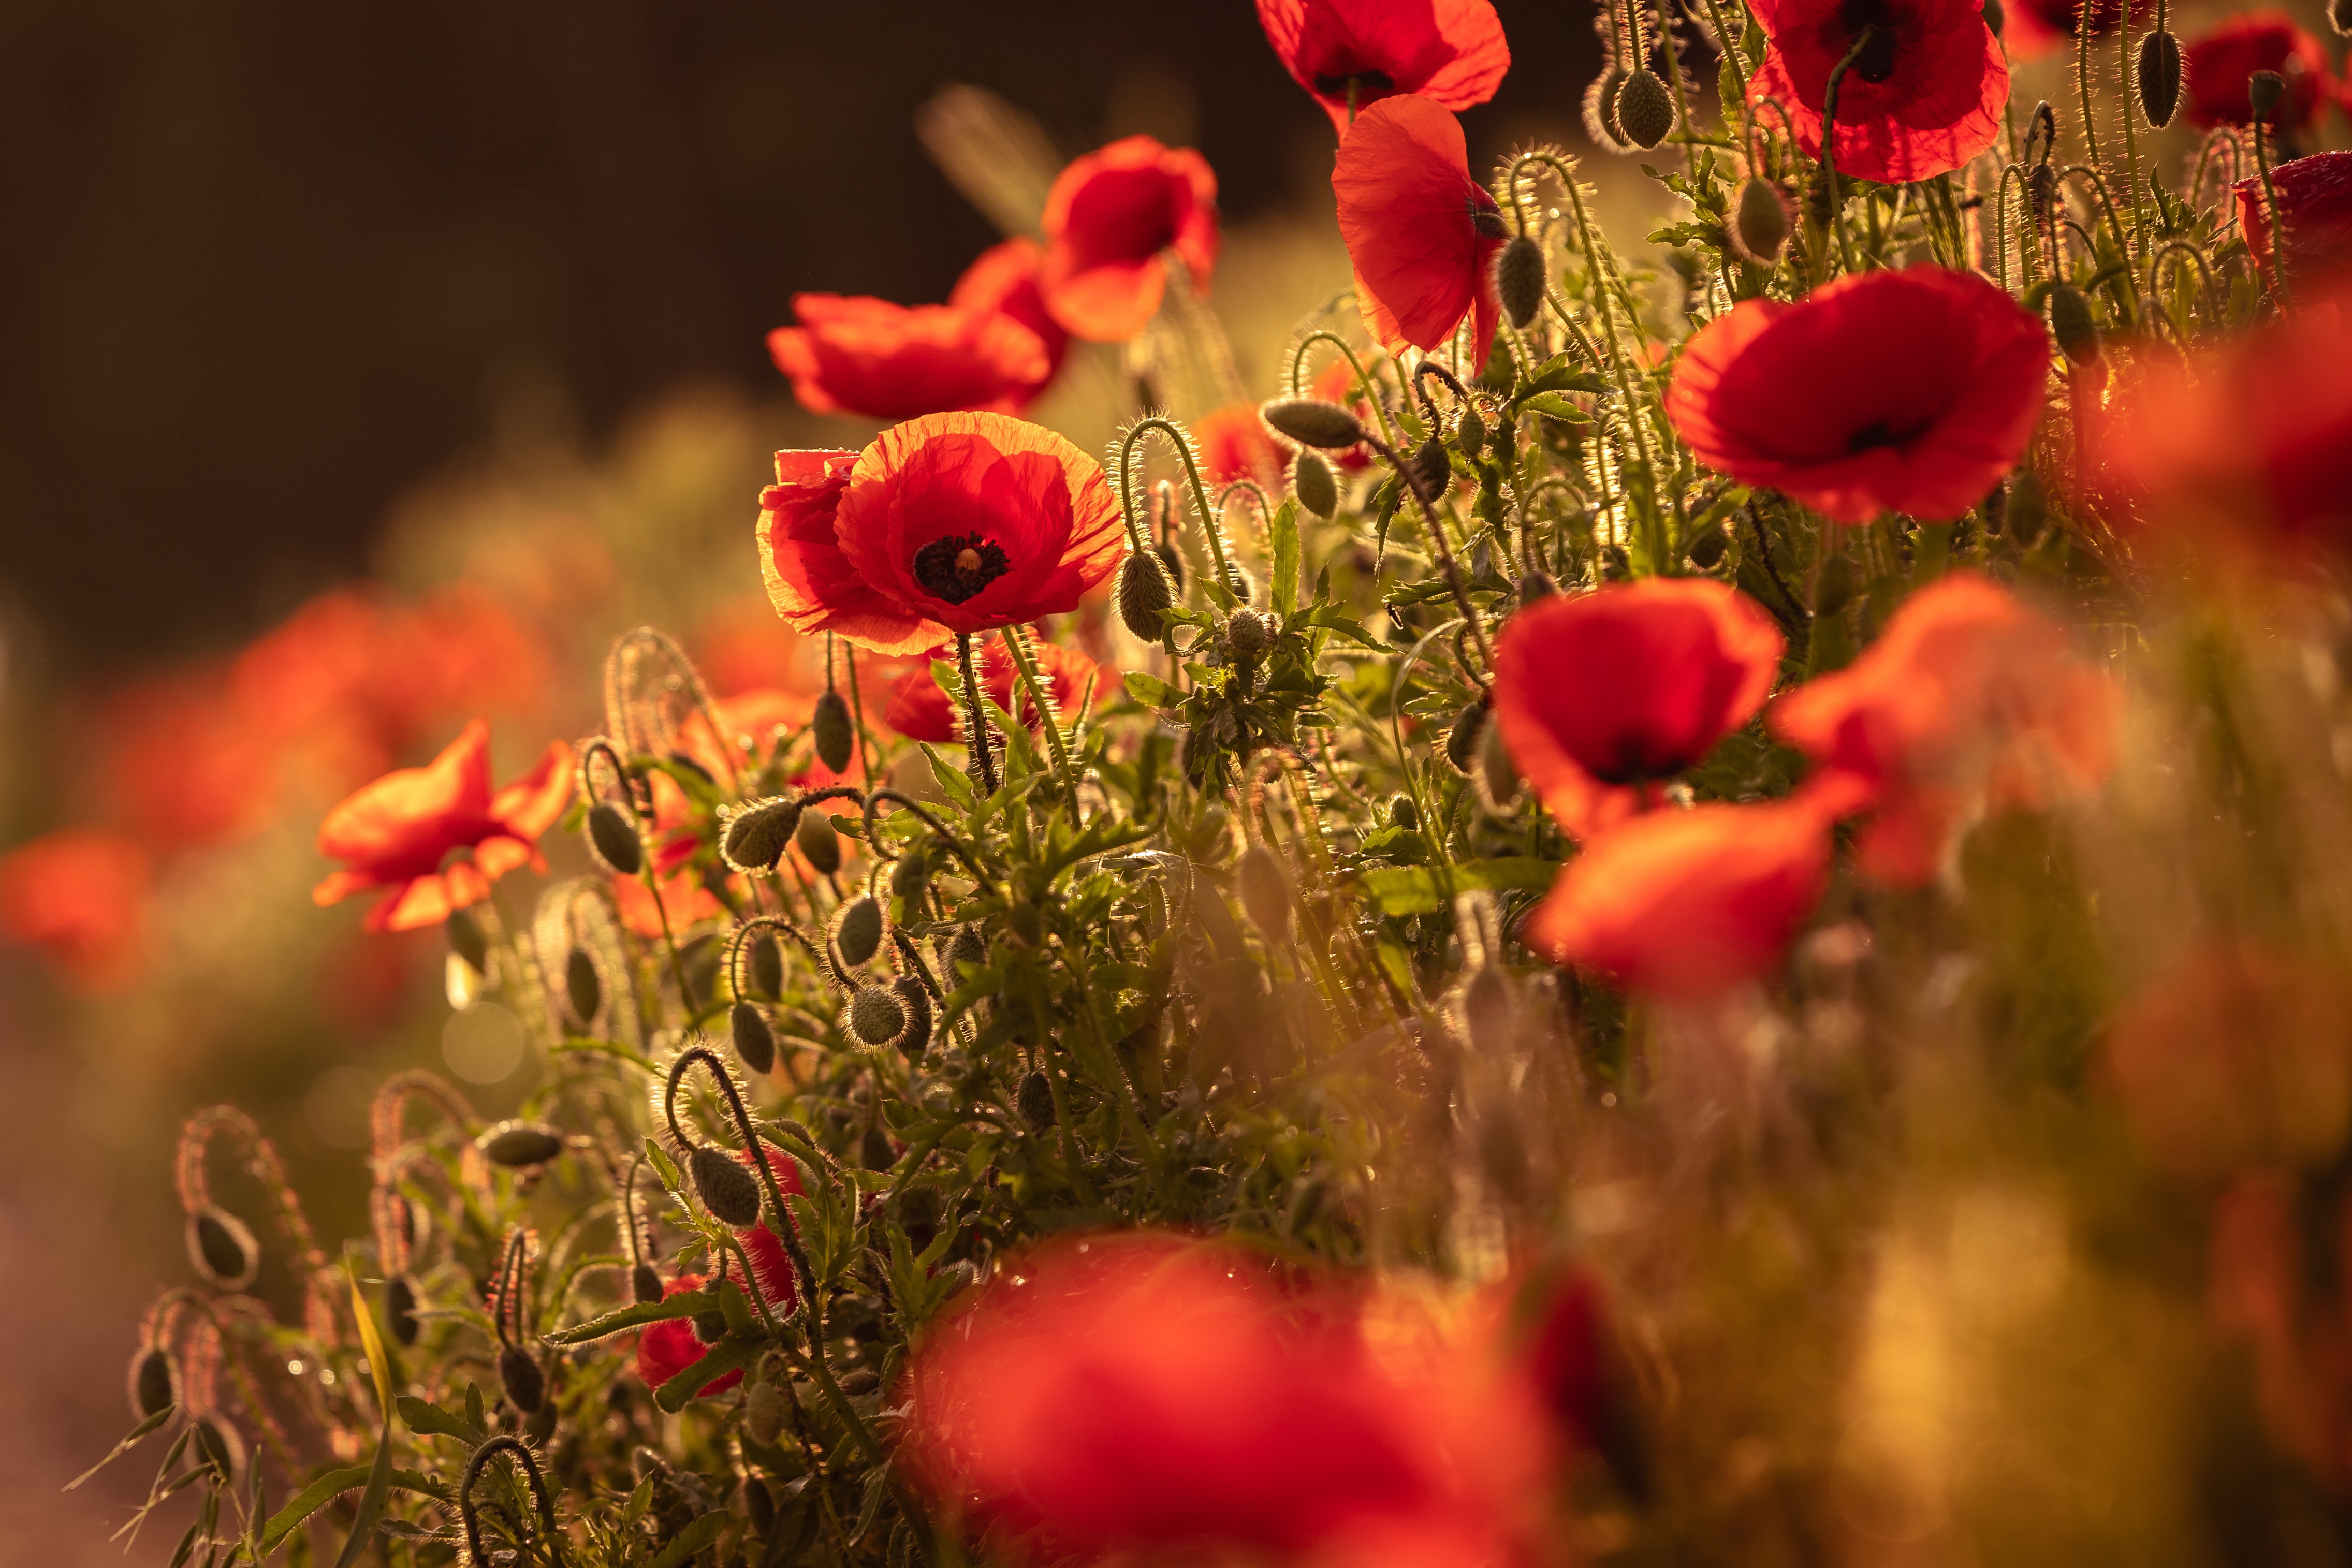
x=2082, y=14
x=1183, y=445
x=2278, y=229
x=975, y=718
x=1829, y=139
x=1016, y=644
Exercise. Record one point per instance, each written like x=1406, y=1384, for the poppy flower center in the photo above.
x=1876, y=61
x=958, y=567
x=1335, y=83
x=1878, y=434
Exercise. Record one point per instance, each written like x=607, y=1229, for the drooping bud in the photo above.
x=1462, y=737
x=218, y=1445
x=763, y=1418
x=1601, y=110
x=876, y=1017
x=1707, y=549
x=1498, y=776
x=2071, y=324
x=727, y=1190
x=1144, y=594
x=519, y=1145
x=1470, y=432
x=874, y=1150
x=1431, y=467
x=2158, y=69
x=965, y=951
x=467, y=940
x=753, y=839
x=1312, y=482
x=581, y=988
x=1520, y=279
x=755, y=1042
x=858, y=928
x=223, y=1251
x=154, y=1383
x=1486, y=1010
x=615, y=839
x=917, y=1003
x=1265, y=887
x=767, y=965
x=836, y=733
x=400, y=1308
x=519, y=1376
x=1833, y=585
x=1250, y=633
x=1034, y=1099
x=819, y=843
x=1404, y=813
x=1172, y=562
x=1646, y=110
x=1761, y=221
x=1311, y=422
x=2263, y=91
x=645, y=1284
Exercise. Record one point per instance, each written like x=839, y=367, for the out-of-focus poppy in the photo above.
x=181, y=763
x=1003, y=281
x=1909, y=392
x=856, y=354
x=771, y=1266
x=2218, y=62
x=2235, y=1057
x=1970, y=702
x=1352, y=54
x=1235, y=444
x=668, y=1348
x=684, y=899
x=2032, y=28
x=1606, y=694
x=1110, y=217
x=2315, y=198
x=1686, y=904
x=2264, y=1284
x=919, y=710
x=952, y=523
x=1567, y=1349
x=1421, y=234
x=742, y=647
x=400, y=831
x=1923, y=98
x=79, y=896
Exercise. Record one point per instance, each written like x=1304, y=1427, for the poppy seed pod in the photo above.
x=767, y=965
x=400, y=1310
x=222, y=1248
x=1461, y=738
x=820, y=844
x=518, y=1146
x=763, y=1418
x=1498, y=776
x=1520, y=279
x=615, y=839
x=877, y=1019
x=1034, y=1099
x=2158, y=69
x=2071, y=324
x=917, y=1003
x=1312, y=482
x=1310, y=422
x=1144, y=594
x=1601, y=110
x=519, y=1376
x=645, y=1284
x=2263, y=91
x=1250, y=633
x=755, y=1042
x=727, y=1190
x=1646, y=110
x=581, y=988
x=154, y=1383
x=466, y=939
x=858, y=928
x=1265, y=887
x=754, y=838
x=1759, y=223
x=1404, y=813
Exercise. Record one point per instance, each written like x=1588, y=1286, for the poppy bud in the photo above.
x=1520, y=279
x=729, y=1190
x=1706, y=549
x=965, y=951
x=615, y=839
x=710, y=1326
x=2263, y=91
x=1646, y=110
x=1404, y=813
x=154, y=1385
x=2040, y=186
x=1536, y=585
x=466, y=939
x=820, y=844
x=519, y=1145
x=1462, y=739
x=1996, y=511
x=755, y=1042
x=218, y=1445
x=1430, y=464
x=400, y=1308
x=519, y=1376
x=754, y=838
x=645, y=1284
x=917, y=1003
x=1264, y=888
x=763, y=1421
x=1250, y=633
x=581, y=988
x=1470, y=432
x=1312, y=482
x=857, y=930
x=1172, y=562
x=222, y=1248
x=1144, y=592
x=1759, y=222
x=1486, y=1010
x=1034, y=1099
x=1498, y=776
x=1835, y=584
x=1311, y=422
x=2071, y=324
x=910, y=877
x=836, y=735
x=767, y=967
x=2159, y=78
x=876, y=1017
x=1601, y=110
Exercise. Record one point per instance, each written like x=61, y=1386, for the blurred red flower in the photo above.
x=684, y=899
x=1235, y=444
x=1336, y=382
x=2315, y=198
x=1002, y=279
x=181, y=765
x=952, y=523
x=1605, y=696
x=1420, y=233
x=2277, y=1256
x=399, y=831
x=1109, y=218
x=2032, y=28
x=79, y=896
x=742, y=647
x=858, y=354
x=2216, y=64
x=1686, y=903
x=1350, y=54
x=1923, y=98
x=1970, y=702
x=668, y=1348
x=1909, y=392
x=919, y=710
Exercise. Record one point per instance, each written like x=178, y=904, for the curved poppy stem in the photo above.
x=977, y=739
x=552, y=1537
x=1183, y=445
x=1862, y=41
x=1447, y=563
x=2115, y=224
x=2182, y=247
x=2225, y=136
x=769, y=922
x=1016, y=646
x=946, y=835
x=1365, y=384
x=2083, y=12
x=785, y=1232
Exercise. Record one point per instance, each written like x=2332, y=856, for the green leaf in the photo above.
x=1151, y=690
x=329, y=1486
x=1285, y=532
x=729, y=1355
x=1425, y=890
x=1557, y=406
x=370, y=1508
x=430, y=1420
x=682, y=1305
x=690, y=1540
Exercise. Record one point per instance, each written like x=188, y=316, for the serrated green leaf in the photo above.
x=729, y=1355
x=1425, y=890
x=1555, y=405
x=431, y=1421
x=1151, y=690
x=682, y=1305
x=690, y=1540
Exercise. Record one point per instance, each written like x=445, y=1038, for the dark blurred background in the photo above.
x=263, y=263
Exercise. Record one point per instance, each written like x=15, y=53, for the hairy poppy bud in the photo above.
x=646, y=1284
x=2071, y=324
x=1311, y=422
x=1172, y=562
x=1498, y=776
x=581, y=988
x=519, y=1376
x=819, y=841
x=466, y=939
x=154, y=1383
x=727, y=1190
x=1144, y=594
x=1601, y=110
x=1250, y=633
x=1265, y=887
x=218, y=1445
x=836, y=735
x=877, y=1019
x=764, y=1419
x=755, y=1042
x=767, y=965
x=710, y=1326
x=754, y=838
x=2263, y=91
x=1462, y=738
x=1431, y=466
x=1759, y=222
x=518, y=1146
x=858, y=928
x=1034, y=1099
x=1646, y=110
x=1835, y=584
x=1470, y=432
x=965, y=951
x=2159, y=78
x=1706, y=549
x=1536, y=585
x=400, y=1308
x=910, y=877
x=917, y=1003
x=1404, y=813
x=1520, y=279
x=1312, y=482
x=615, y=839
x=222, y=1248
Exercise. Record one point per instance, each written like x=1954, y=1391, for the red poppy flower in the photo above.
x=399, y=831
x=1603, y=695
x=1003, y=281
x=856, y=354
x=182, y=764
x=1235, y=444
x=2032, y=28
x=919, y=710
x=1421, y=234
x=1350, y=54
x=771, y=1266
x=1909, y=392
x=1969, y=702
x=2315, y=197
x=1109, y=218
x=79, y=896
x=2217, y=63
x=1922, y=99
x=668, y=1348
x=952, y=523
x=1688, y=904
